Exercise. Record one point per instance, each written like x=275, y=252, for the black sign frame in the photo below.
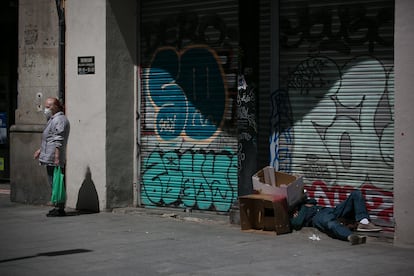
x=86, y=65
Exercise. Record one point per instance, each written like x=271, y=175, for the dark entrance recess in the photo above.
x=8, y=80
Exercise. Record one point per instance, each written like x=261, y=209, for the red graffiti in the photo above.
x=379, y=202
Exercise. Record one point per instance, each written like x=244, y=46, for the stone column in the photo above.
x=37, y=80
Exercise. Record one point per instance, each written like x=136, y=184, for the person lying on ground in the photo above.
x=327, y=219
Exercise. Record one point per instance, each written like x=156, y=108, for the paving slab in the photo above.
x=139, y=241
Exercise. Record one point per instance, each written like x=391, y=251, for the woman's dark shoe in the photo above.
x=56, y=213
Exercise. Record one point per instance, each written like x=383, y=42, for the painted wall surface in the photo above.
x=101, y=106
x=86, y=102
x=37, y=80
x=193, y=163
x=189, y=143
x=332, y=117
x=404, y=131
x=121, y=95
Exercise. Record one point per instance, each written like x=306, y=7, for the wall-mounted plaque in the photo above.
x=86, y=65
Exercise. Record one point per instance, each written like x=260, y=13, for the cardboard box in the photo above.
x=271, y=182
x=265, y=213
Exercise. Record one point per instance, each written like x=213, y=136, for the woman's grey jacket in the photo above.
x=55, y=135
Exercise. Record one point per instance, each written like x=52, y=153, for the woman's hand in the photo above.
x=36, y=154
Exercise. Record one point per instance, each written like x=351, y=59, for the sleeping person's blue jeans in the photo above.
x=326, y=220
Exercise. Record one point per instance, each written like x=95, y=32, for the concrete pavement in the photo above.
x=135, y=241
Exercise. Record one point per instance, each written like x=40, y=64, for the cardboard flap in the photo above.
x=284, y=178
x=269, y=176
x=295, y=192
x=270, y=181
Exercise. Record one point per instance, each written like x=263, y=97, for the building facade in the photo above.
x=177, y=103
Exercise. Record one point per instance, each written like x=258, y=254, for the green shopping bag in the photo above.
x=58, y=188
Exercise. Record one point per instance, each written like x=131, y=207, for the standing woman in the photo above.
x=52, y=150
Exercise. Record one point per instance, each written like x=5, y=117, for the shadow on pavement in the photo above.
x=88, y=201
x=48, y=254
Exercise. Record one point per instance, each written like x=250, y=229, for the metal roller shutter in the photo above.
x=265, y=75
x=188, y=132
x=333, y=114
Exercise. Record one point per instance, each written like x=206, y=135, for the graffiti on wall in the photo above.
x=188, y=28
x=338, y=154
x=379, y=202
x=247, y=134
x=188, y=109
x=357, y=116
x=187, y=91
x=192, y=178
x=316, y=28
x=332, y=118
x=282, y=136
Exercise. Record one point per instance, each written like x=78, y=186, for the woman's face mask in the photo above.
x=48, y=113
